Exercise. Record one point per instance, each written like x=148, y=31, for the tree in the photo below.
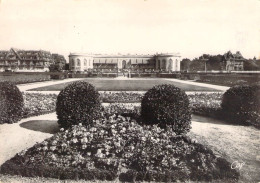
x=56, y=67
x=214, y=62
x=197, y=65
x=204, y=56
x=251, y=65
x=185, y=64
x=67, y=67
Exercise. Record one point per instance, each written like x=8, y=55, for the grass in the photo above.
x=126, y=85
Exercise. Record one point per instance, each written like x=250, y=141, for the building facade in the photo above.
x=233, y=62
x=26, y=60
x=84, y=62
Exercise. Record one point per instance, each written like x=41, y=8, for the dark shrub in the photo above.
x=11, y=103
x=166, y=105
x=241, y=104
x=78, y=103
x=57, y=76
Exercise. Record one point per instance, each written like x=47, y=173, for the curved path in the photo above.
x=237, y=144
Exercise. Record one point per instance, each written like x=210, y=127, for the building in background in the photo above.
x=163, y=62
x=16, y=60
x=233, y=62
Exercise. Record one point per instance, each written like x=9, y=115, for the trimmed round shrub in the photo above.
x=11, y=103
x=78, y=103
x=241, y=105
x=166, y=105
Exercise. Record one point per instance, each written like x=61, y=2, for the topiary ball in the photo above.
x=11, y=103
x=78, y=103
x=166, y=105
x=241, y=104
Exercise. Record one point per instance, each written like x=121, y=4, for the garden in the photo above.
x=142, y=84
x=124, y=141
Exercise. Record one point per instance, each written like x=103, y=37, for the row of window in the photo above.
x=110, y=61
x=77, y=62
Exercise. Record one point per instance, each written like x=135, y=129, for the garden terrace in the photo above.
x=197, y=101
x=119, y=148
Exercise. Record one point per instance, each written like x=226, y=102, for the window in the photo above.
x=78, y=62
x=85, y=62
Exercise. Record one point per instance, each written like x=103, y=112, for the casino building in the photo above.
x=80, y=62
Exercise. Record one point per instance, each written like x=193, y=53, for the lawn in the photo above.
x=126, y=85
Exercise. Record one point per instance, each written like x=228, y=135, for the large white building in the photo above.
x=84, y=62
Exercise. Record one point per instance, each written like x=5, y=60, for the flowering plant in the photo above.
x=37, y=104
x=207, y=104
x=120, y=145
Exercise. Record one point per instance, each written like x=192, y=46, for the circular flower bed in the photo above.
x=118, y=147
x=167, y=106
x=79, y=102
x=241, y=105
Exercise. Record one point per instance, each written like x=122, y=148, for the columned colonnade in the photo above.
x=166, y=62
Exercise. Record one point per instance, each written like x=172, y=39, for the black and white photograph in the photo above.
x=111, y=91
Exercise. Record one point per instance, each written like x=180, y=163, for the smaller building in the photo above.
x=25, y=60
x=16, y=60
x=233, y=62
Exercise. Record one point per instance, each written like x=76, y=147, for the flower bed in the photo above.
x=118, y=147
x=37, y=104
x=121, y=97
x=206, y=104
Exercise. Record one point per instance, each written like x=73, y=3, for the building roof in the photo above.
x=27, y=54
x=125, y=55
x=229, y=55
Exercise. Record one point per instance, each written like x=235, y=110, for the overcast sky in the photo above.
x=132, y=26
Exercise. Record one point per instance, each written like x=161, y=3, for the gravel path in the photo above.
x=28, y=86
x=217, y=87
x=14, y=138
x=237, y=144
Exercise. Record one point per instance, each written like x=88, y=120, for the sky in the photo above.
x=188, y=27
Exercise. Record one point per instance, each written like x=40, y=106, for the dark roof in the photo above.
x=236, y=56
x=27, y=54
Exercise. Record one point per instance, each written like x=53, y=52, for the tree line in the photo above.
x=208, y=62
